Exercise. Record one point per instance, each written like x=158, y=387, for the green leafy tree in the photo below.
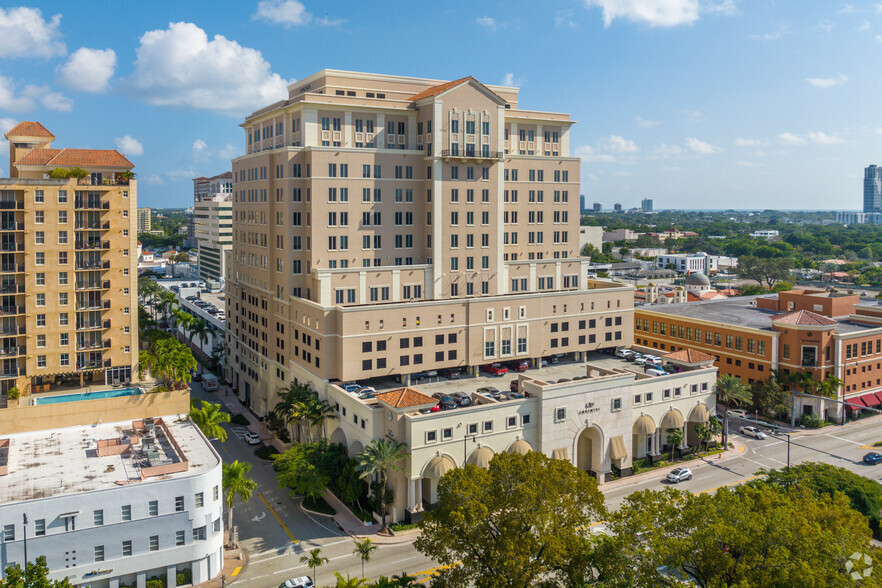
x=510, y=525
x=764, y=269
x=768, y=397
x=317, y=413
x=314, y=560
x=236, y=483
x=208, y=417
x=35, y=575
x=864, y=494
x=364, y=549
x=750, y=290
x=377, y=460
x=295, y=471
x=405, y=580
x=674, y=437
x=743, y=537
x=200, y=330
x=349, y=582
x=730, y=390
x=169, y=360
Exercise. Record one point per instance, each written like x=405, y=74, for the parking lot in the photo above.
x=185, y=289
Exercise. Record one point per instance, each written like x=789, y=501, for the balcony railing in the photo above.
x=12, y=246
x=89, y=204
x=92, y=285
x=6, y=205
x=89, y=305
x=88, y=365
x=90, y=181
x=12, y=288
x=12, y=309
x=449, y=153
x=88, y=326
x=11, y=268
x=12, y=331
x=92, y=265
x=13, y=373
x=11, y=226
x=12, y=351
x=88, y=345
x=93, y=244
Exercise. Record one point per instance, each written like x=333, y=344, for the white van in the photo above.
x=210, y=382
x=655, y=372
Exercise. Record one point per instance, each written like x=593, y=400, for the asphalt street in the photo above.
x=274, y=531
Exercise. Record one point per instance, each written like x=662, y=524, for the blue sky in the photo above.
x=694, y=103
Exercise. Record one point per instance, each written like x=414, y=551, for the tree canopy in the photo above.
x=524, y=519
x=768, y=270
x=35, y=575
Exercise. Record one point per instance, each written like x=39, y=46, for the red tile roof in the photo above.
x=27, y=128
x=804, y=318
x=405, y=398
x=76, y=157
x=689, y=356
x=435, y=90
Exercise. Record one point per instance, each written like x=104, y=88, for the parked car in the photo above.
x=640, y=361
x=513, y=385
x=623, y=353
x=752, y=432
x=175, y=289
x=351, y=387
x=873, y=458
x=190, y=298
x=212, y=311
x=462, y=398
x=451, y=374
x=251, y=438
x=197, y=377
x=495, y=369
x=520, y=365
x=424, y=376
x=562, y=380
x=367, y=393
x=655, y=372
x=446, y=402
x=671, y=369
x=299, y=582
x=678, y=475
x=633, y=357
x=435, y=408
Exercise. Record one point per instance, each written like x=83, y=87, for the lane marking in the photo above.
x=330, y=559
x=278, y=518
x=726, y=485
x=236, y=571
x=741, y=449
x=775, y=460
x=841, y=439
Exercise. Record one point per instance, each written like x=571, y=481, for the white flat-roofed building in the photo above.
x=686, y=263
x=113, y=503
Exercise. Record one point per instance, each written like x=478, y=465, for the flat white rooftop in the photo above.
x=44, y=464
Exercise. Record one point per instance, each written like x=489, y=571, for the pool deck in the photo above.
x=31, y=399
x=40, y=400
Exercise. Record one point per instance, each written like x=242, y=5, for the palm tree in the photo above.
x=731, y=390
x=314, y=560
x=199, y=329
x=405, y=580
x=364, y=549
x=167, y=301
x=172, y=361
x=378, y=458
x=290, y=404
x=208, y=418
x=349, y=582
x=236, y=483
x=317, y=413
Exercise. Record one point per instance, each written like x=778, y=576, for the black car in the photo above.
x=451, y=374
x=446, y=402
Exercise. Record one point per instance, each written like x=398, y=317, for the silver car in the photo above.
x=752, y=432
x=678, y=475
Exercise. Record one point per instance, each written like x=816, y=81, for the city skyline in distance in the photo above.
x=696, y=105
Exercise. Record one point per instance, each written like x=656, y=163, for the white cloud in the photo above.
x=701, y=147
x=617, y=144
x=665, y=151
x=824, y=139
x=724, y=7
x=284, y=12
x=647, y=123
x=179, y=66
x=30, y=97
x=791, y=139
x=228, y=151
x=692, y=115
x=25, y=33
x=612, y=149
x=784, y=31
x=878, y=38
x=128, y=145
x=154, y=180
x=739, y=142
x=847, y=9
x=509, y=79
x=743, y=163
x=5, y=125
x=88, y=70
x=826, y=25
x=202, y=152
x=878, y=131
x=487, y=21
x=864, y=26
x=817, y=137
x=179, y=174
x=655, y=13
x=623, y=174
x=879, y=9
x=827, y=82
x=564, y=18
x=199, y=146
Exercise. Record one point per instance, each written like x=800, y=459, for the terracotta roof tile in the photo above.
x=27, y=128
x=689, y=356
x=435, y=90
x=76, y=157
x=804, y=318
x=405, y=398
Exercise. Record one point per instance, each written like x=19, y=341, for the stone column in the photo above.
x=141, y=580
x=171, y=576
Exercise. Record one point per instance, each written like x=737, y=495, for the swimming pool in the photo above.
x=88, y=396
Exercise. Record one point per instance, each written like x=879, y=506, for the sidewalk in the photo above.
x=234, y=564
x=232, y=403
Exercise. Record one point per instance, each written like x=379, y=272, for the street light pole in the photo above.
x=465, y=446
x=788, y=452
x=25, y=521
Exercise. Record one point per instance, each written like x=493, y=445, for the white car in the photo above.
x=623, y=353
x=641, y=360
x=752, y=432
x=678, y=475
x=251, y=438
x=301, y=582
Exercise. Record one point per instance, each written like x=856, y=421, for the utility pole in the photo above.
x=465, y=446
x=25, y=520
x=788, y=452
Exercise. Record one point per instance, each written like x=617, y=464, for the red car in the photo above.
x=520, y=365
x=496, y=369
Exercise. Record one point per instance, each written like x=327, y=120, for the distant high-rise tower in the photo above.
x=598, y=207
x=582, y=206
x=873, y=189
x=646, y=204
x=617, y=207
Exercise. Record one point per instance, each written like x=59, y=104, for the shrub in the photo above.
x=156, y=582
x=266, y=452
x=635, y=467
x=184, y=576
x=13, y=393
x=239, y=419
x=404, y=526
x=810, y=421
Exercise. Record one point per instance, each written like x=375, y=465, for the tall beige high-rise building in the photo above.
x=68, y=265
x=387, y=226
x=145, y=220
x=213, y=223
